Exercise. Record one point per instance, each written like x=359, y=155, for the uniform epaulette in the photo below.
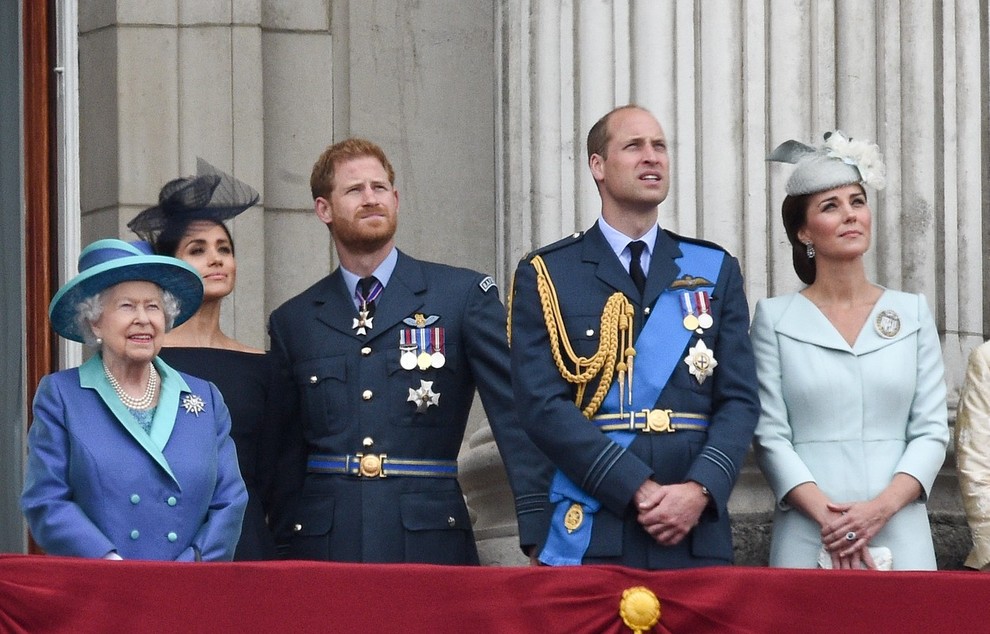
x=698, y=241
x=553, y=246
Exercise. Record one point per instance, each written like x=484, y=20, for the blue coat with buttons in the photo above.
x=586, y=272
x=96, y=482
x=352, y=396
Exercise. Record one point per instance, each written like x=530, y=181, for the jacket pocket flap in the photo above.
x=313, y=371
x=434, y=511
x=315, y=516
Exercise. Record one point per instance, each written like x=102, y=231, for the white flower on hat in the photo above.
x=863, y=156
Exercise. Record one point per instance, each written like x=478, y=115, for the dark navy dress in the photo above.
x=244, y=379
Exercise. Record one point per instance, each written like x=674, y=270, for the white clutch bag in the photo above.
x=882, y=557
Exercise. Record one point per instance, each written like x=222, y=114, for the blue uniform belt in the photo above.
x=651, y=421
x=379, y=465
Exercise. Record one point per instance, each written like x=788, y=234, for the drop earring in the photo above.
x=809, y=249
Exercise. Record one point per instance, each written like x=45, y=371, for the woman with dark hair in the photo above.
x=188, y=223
x=127, y=457
x=853, y=427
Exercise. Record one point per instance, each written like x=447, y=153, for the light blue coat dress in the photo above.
x=849, y=418
x=96, y=482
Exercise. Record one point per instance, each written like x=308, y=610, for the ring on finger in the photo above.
x=851, y=536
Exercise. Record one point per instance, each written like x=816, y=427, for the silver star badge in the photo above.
x=424, y=396
x=701, y=361
x=362, y=323
x=193, y=404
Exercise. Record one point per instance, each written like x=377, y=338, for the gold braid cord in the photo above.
x=615, y=334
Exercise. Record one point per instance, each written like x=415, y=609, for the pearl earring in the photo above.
x=99, y=341
x=809, y=249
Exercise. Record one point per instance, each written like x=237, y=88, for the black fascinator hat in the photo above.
x=210, y=195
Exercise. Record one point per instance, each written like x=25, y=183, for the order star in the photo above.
x=424, y=397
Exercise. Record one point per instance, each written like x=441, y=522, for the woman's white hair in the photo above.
x=89, y=310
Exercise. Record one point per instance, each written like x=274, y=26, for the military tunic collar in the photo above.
x=383, y=274
x=620, y=243
x=407, y=283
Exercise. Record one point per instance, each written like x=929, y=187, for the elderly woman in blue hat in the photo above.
x=853, y=427
x=128, y=458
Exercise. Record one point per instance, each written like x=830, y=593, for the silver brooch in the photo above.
x=193, y=404
x=888, y=324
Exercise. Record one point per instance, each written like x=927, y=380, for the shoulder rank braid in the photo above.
x=616, y=334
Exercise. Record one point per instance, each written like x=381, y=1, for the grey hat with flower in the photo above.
x=839, y=161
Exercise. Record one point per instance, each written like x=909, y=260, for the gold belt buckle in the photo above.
x=370, y=465
x=658, y=420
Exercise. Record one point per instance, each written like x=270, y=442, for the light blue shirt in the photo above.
x=383, y=273
x=620, y=244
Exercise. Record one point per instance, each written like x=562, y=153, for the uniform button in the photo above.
x=172, y=537
x=297, y=527
x=135, y=498
x=366, y=351
x=368, y=441
x=171, y=501
x=367, y=394
x=313, y=379
x=576, y=234
x=135, y=534
x=646, y=311
x=589, y=332
x=451, y=521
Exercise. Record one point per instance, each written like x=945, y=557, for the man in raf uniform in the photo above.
x=631, y=359
x=383, y=356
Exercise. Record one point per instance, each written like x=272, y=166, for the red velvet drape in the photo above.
x=50, y=594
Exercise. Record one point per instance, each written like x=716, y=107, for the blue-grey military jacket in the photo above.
x=586, y=272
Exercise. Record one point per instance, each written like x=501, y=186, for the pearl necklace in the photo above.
x=143, y=403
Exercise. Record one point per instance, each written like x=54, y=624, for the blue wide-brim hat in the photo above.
x=108, y=262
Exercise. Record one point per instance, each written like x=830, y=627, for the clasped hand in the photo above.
x=668, y=512
x=847, y=534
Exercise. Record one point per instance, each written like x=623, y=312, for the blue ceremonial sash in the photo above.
x=658, y=351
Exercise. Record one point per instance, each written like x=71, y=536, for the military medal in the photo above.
x=424, y=360
x=700, y=361
x=705, y=320
x=363, y=322
x=407, y=349
x=888, y=324
x=424, y=397
x=437, y=359
x=687, y=307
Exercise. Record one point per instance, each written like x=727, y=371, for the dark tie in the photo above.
x=368, y=291
x=635, y=266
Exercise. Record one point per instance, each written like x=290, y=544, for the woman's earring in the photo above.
x=99, y=341
x=809, y=249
